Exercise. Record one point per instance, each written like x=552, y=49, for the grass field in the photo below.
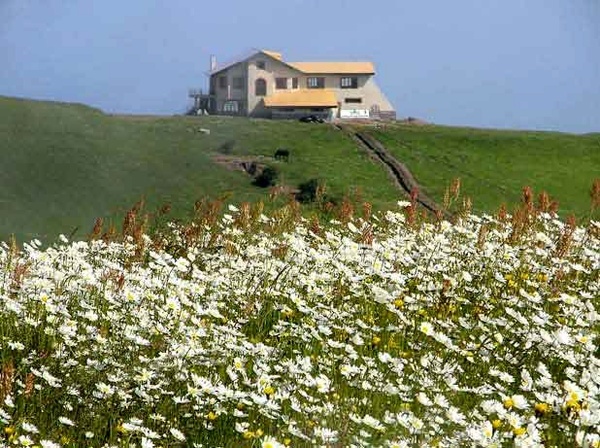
x=63, y=165
x=495, y=165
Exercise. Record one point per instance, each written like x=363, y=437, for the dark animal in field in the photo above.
x=282, y=154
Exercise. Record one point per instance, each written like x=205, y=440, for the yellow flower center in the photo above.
x=269, y=390
x=542, y=408
x=519, y=431
x=508, y=403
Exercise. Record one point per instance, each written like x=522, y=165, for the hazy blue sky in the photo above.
x=495, y=63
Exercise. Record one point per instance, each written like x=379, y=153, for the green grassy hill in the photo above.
x=64, y=165
x=495, y=165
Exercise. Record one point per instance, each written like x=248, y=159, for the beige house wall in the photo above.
x=370, y=94
x=367, y=89
x=273, y=69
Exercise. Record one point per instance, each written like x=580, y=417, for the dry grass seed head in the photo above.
x=7, y=376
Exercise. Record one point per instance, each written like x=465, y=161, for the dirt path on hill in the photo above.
x=402, y=177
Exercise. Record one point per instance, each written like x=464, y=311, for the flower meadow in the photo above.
x=247, y=330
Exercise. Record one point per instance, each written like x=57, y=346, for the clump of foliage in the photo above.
x=267, y=177
x=309, y=191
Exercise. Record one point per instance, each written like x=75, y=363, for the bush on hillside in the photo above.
x=309, y=191
x=267, y=177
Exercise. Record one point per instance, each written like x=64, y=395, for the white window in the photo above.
x=349, y=82
x=315, y=82
x=230, y=106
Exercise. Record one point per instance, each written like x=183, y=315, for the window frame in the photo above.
x=349, y=82
x=256, y=88
x=319, y=82
x=278, y=85
x=353, y=100
x=222, y=81
x=294, y=83
x=231, y=106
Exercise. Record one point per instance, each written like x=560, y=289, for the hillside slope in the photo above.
x=494, y=165
x=63, y=165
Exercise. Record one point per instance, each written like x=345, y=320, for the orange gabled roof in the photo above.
x=302, y=98
x=350, y=68
x=312, y=68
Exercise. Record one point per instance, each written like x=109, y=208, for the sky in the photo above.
x=522, y=64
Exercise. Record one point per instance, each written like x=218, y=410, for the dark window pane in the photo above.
x=260, y=87
x=315, y=82
x=349, y=82
x=281, y=83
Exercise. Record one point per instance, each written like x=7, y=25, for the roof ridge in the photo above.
x=332, y=67
x=330, y=61
x=273, y=54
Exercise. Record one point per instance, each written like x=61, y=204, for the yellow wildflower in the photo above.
x=519, y=431
x=541, y=409
x=269, y=390
x=572, y=406
x=508, y=403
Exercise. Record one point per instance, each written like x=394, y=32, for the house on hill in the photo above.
x=264, y=85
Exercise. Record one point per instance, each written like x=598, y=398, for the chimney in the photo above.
x=213, y=62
